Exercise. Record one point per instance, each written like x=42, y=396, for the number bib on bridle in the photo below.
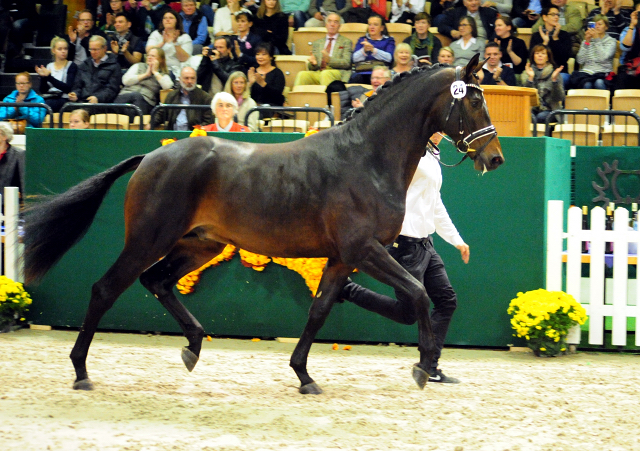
x=458, y=92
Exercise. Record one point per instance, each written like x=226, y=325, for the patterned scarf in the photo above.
x=417, y=43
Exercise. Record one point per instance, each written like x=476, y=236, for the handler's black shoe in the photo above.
x=438, y=376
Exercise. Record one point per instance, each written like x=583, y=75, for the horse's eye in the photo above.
x=476, y=103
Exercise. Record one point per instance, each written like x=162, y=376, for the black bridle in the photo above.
x=464, y=144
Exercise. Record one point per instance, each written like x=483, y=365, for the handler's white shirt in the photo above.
x=425, y=212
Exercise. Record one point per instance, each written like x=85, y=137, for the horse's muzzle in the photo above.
x=489, y=159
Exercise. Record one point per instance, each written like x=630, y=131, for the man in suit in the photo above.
x=187, y=94
x=330, y=58
x=485, y=20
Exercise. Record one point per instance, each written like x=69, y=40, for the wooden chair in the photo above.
x=620, y=135
x=303, y=39
x=578, y=134
x=626, y=100
x=286, y=126
x=444, y=40
x=321, y=125
x=290, y=65
x=110, y=121
x=47, y=121
x=309, y=88
x=163, y=94
x=399, y=31
x=353, y=31
x=586, y=99
x=525, y=35
x=135, y=125
x=315, y=99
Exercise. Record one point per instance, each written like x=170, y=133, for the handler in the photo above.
x=413, y=249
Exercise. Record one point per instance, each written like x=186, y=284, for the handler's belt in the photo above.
x=409, y=239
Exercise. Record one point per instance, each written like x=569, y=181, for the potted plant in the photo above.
x=544, y=318
x=14, y=302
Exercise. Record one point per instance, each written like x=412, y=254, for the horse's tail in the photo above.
x=55, y=224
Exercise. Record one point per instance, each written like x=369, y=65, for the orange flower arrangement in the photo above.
x=187, y=283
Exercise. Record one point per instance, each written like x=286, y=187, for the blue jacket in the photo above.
x=34, y=116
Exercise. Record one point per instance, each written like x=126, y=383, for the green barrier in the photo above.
x=501, y=215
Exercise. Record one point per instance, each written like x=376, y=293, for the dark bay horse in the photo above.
x=338, y=194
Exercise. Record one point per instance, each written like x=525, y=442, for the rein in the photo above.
x=464, y=144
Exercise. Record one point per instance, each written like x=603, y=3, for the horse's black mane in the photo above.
x=398, y=78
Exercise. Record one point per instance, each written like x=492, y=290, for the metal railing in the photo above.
x=30, y=105
x=558, y=115
x=287, y=112
x=103, y=108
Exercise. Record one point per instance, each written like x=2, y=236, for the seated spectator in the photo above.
x=485, y=19
x=56, y=80
x=224, y=21
x=374, y=49
x=114, y=7
x=11, y=161
x=595, y=57
x=171, y=38
x=403, y=59
x=225, y=107
x=551, y=35
x=219, y=62
x=525, y=13
x=24, y=93
x=619, y=18
x=144, y=81
x=318, y=9
x=195, y=25
x=404, y=11
x=494, y=72
x=238, y=86
x=361, y=10
x=98, y=78
x=504, y=7
x=297, y=11
x=543, y=75
x=245, y=41
x=272, y=25
x=424, y=43
x=150, y=15
x=78, y=38
x=123, y=43
x=187, y=94
x=446, y=55
x=469, y=44
x=514, y=50
x=330, y=58
x=628, y=77
x=79, y=120
x=266, y=81
x=379, y=77
x=570, y=20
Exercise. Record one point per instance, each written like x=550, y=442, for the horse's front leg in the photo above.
x=382, y=267
x=333, y=279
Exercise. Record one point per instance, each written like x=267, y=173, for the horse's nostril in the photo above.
x=497, y=161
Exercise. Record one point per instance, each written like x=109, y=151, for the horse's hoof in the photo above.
x=310, y=389
x=84, y=384
x=420, y=376
x=189, y=358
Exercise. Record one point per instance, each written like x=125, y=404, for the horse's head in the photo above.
x=467, y=121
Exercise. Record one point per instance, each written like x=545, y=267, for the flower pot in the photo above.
x=547, y=347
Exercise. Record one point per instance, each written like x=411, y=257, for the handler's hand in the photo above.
x=464, y=252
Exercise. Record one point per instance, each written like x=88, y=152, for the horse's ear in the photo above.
x=472, y=67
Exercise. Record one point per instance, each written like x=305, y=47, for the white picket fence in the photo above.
x=10, y=236
x=619, y=297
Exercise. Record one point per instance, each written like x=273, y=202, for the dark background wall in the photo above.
x=501, y=215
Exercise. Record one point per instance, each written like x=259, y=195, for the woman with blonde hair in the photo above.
x=56, y=80
x=79, y=120
x=403, y=59
x=238, y=86
x=446, y=55
x=144, y=81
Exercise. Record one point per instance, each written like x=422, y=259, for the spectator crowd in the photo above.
x=131, y=52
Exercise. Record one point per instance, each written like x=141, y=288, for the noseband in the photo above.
x=464, y=144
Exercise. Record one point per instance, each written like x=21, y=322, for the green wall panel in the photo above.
x=501, y=215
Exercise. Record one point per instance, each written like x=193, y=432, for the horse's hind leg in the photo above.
x=188, y=255
x=104, y=293
x=333, y=279
x=381, y=266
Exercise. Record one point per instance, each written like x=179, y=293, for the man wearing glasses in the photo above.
x=78, y=38
x=485, y=18
x=555, y=38
x=98, y=79
x=24, y=93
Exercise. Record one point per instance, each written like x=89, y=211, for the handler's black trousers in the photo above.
x=420, y=259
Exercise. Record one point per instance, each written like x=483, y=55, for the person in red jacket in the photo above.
x=225, y=107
